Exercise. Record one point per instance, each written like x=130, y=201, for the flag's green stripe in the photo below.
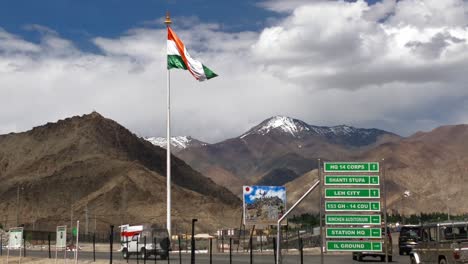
x=209, y=73
x=175, y=61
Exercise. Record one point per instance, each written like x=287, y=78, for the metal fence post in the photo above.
x=126, y=242
x=222, y=242
x=251, y=250
x=274, y=248
x=192, y=257
x=144, y=252
x=137, y=250
x=24, y=244
x=111, y=242
x=180, y=249
x=301, y=249
x=230, y=250
x=211, y=250
x=155, y=252
x=94, y=247
x=168, y=257
x=48, y=238
x=186, y=242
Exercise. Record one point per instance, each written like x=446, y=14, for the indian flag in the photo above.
x=179, y=58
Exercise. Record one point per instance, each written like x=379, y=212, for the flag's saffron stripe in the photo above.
x=171, y=35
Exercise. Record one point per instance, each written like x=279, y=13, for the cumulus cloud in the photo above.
x=397, y=65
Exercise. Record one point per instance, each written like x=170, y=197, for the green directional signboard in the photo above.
x=356, y=246
x=351, y=167
x=352, y=193
x=353, y=232
x=352, y=206
x=352, y=219
x=352, y=180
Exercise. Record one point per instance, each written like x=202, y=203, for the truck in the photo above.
x=410, y=235
x=442, y=243
x=145, y=241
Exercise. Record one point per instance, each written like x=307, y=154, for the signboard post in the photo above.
x=60, y=240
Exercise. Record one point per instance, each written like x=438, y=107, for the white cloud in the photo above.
x=400, y=66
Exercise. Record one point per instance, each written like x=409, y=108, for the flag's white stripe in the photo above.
x=172, y=48
x=195, y=66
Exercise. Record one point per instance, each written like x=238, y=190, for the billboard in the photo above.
x=15, y=238
x=263, y=205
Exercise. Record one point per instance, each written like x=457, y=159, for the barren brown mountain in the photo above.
x=426, y=172
x=92, y=163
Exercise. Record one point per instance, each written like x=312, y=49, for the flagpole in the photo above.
x=168, y=22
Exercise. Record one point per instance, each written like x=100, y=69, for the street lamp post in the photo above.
x=192, y=257
x=17, y=203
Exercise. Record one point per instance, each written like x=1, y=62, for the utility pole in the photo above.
x=17, y=205
x=71, y=220
x=86, y=218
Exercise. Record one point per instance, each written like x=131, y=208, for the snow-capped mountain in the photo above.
x=342, y=134
x=282, y=146
x=279, y=123
x=178, y=143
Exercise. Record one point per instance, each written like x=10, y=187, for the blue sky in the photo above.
x=366, y=64
x=80, y=20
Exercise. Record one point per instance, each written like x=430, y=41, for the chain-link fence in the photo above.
x=245, y=246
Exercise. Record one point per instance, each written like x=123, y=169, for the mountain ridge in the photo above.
x=283, y=144
x=95, y=161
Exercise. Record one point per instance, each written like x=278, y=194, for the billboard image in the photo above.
x=16, y=238
x=263, y=205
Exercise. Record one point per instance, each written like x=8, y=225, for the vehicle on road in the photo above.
x=144, y=240
x=386, y=248
x=410, y=236
x=442, y=243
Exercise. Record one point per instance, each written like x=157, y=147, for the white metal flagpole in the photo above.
x=168, y=139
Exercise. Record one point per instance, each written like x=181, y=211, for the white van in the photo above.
x=132, y=240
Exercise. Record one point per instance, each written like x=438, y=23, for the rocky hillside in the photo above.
x=426, y=172
x=93, y=163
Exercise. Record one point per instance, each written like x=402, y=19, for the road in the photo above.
x=224, y=258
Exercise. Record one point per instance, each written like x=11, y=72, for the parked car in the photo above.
x=410, y=236
x=145, y=241
x=442, y=243
x=387, y=244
